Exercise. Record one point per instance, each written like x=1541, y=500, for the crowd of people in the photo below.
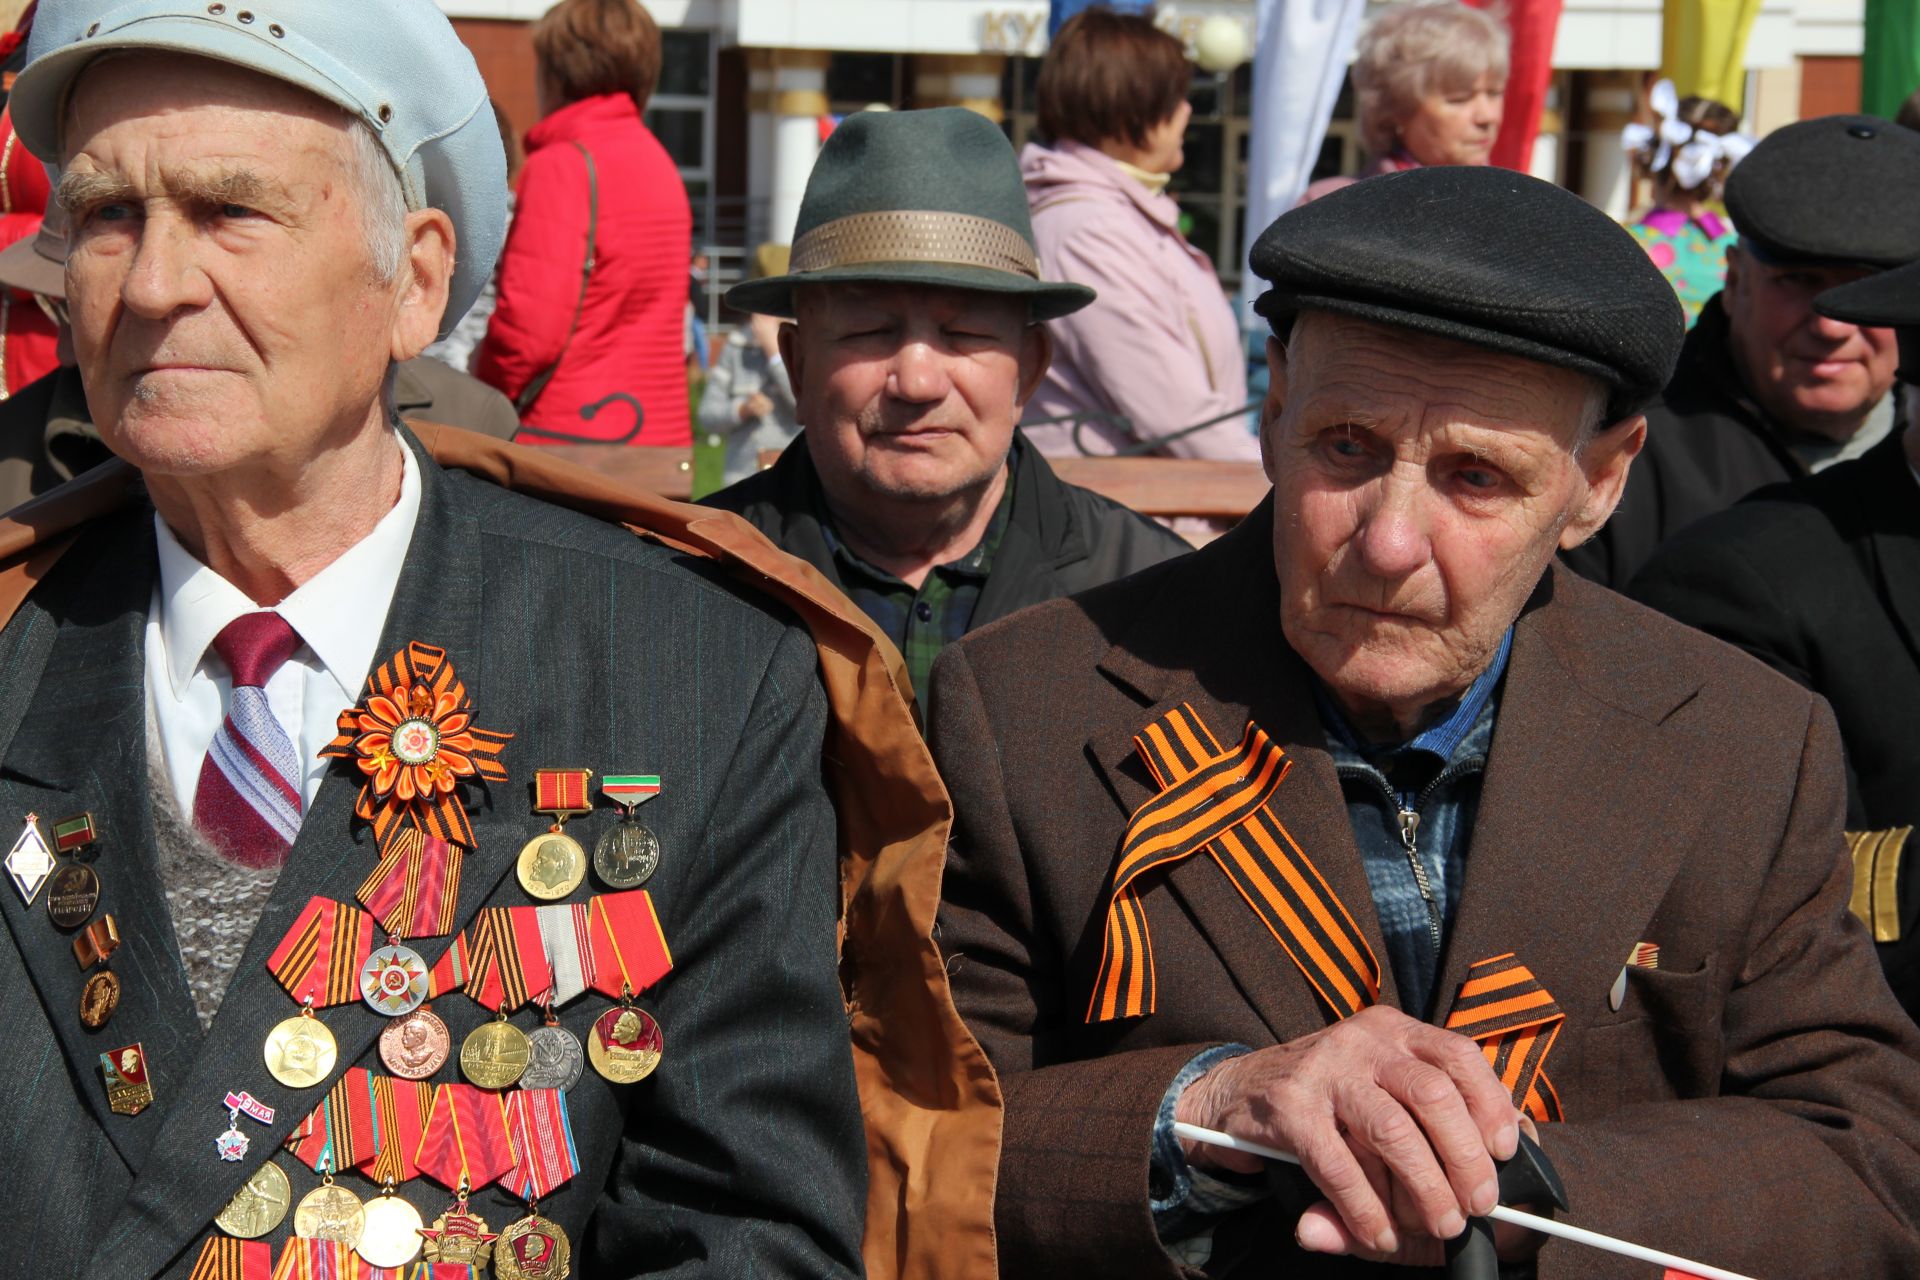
x=909, y=863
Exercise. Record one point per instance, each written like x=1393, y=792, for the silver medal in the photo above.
x=554, y=1059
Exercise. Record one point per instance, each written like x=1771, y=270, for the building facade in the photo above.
x=749, y=87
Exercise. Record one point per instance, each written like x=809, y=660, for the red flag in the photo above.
x=1533, y=25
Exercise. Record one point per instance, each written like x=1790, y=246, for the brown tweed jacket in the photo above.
x=1754, y=1103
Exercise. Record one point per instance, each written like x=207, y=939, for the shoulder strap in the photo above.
x=531, y=392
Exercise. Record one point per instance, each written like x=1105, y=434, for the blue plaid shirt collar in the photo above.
x=1439, y=741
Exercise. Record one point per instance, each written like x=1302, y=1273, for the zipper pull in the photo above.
x=1409, y=827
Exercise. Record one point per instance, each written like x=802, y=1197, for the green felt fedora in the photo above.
x=915, y=197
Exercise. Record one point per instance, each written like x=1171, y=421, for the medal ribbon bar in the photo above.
x=321, y=955
x=466, y=1137
x=543, y=1138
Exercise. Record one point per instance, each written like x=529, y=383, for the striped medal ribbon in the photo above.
x=542, y=1141
x=1505, y=1010
x=414, y=888
x=501, y=960
x=465, y=1144
x=224, y=1259
x=320, y=957
x=340, y=1133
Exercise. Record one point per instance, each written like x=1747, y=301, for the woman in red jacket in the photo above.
x=588, y=334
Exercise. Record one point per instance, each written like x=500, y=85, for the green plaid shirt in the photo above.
x=922, y=622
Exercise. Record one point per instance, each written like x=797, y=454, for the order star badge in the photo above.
x=414, y=739
x=30, y=862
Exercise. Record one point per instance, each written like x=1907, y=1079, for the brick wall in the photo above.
x=505, y=54
x=1829, y=86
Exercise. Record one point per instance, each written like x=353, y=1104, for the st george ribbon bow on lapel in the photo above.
x=1219, y=800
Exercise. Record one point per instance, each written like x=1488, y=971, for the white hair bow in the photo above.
x=1692, y=152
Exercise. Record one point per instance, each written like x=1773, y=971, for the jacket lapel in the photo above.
x=439, y=601
x=1213, y=641
x=1040, y=537
x=1581, y=769
x=1889, y=504
x=81, y=745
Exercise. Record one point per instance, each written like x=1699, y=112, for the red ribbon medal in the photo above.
x=501, y=959
x=401, y=1109
x=413, y=737
x=234, y=1260
x=466, y=1140
x=629, y=949
x=320, y=958
x=340, y=1132
x=414, y=889
x=543, y=1142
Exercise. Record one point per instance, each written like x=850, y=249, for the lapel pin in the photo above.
x=627, y=855
x=129, y=1091
x=74, y=889
x=29, y=861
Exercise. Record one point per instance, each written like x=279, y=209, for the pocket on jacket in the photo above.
x=1665, y=1042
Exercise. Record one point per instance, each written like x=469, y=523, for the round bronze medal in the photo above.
x=494, y=1055
x=626, y=856
x=552, y=865
x=416, y=1046
x=98, y=999
x=625, y=1045
x=330, y=1212
x=391, y=1234
x=554, y=1059
x=393, y=981
x=532, y=1249
x=72, y=894
x=301, y=1052
x=259, y=1206
x=459, y=1235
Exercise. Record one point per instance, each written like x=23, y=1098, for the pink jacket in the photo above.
x=1160, y=344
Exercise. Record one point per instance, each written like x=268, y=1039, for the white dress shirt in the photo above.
x=339, y=614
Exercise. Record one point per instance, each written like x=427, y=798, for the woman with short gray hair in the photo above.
x=1429, y=81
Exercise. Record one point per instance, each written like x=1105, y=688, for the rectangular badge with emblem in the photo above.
x=129, y=1091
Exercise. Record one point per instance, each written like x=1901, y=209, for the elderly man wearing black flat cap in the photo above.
x=1768, y=389
x=1821, y=581
x=917, y=336
x=1372, y=834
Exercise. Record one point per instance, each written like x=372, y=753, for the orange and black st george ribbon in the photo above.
x=1219, y=800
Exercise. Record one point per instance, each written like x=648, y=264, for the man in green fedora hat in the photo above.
x=916, y=333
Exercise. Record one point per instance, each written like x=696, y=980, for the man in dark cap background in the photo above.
x=1367, y=830
x=1821, y=581
x=917, y=336
x=1767, y=389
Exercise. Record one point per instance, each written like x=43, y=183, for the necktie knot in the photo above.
x=254, y=646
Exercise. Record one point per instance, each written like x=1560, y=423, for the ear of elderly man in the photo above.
x=1370, y=833
x=272, y=205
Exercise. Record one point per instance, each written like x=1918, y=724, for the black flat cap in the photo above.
x=1839, y=190
x=1891, y=300
x=1485, y=256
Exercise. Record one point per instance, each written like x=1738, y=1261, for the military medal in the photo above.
x=393, y=981
x=627, y=854
x=29, y=862
x=555, y=1059
x=625, y=1045
x=532, y=1249
x=390, y=1234
x=301, y=1051
x=330, y=1212
x=415, y=1046
x=73, y=891
x=459, y=1235
x=465, y=1144
x=95, y=945
x=553, y=864
x=259, y=1206
x=495, y=1054
x=129, y=1091
x=544, y=1155
x=319, y=963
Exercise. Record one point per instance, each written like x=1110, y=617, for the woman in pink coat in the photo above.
x=603, y=364
x=1159, y=349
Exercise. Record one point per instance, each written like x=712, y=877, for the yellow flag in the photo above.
x=1705, y=48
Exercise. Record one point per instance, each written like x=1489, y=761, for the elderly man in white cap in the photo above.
x=289, y=744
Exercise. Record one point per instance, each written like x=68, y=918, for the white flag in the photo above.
x=1300, y=58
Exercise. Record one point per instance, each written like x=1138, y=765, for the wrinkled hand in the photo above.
x=1398, y=1123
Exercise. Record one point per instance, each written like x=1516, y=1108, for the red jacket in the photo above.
x=630, y=342
x=27, y=337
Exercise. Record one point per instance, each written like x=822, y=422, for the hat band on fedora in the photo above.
x=905, y=235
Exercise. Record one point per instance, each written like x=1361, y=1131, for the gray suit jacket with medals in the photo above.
x=742, y=1155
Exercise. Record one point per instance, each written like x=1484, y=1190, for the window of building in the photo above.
x=680, y=114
